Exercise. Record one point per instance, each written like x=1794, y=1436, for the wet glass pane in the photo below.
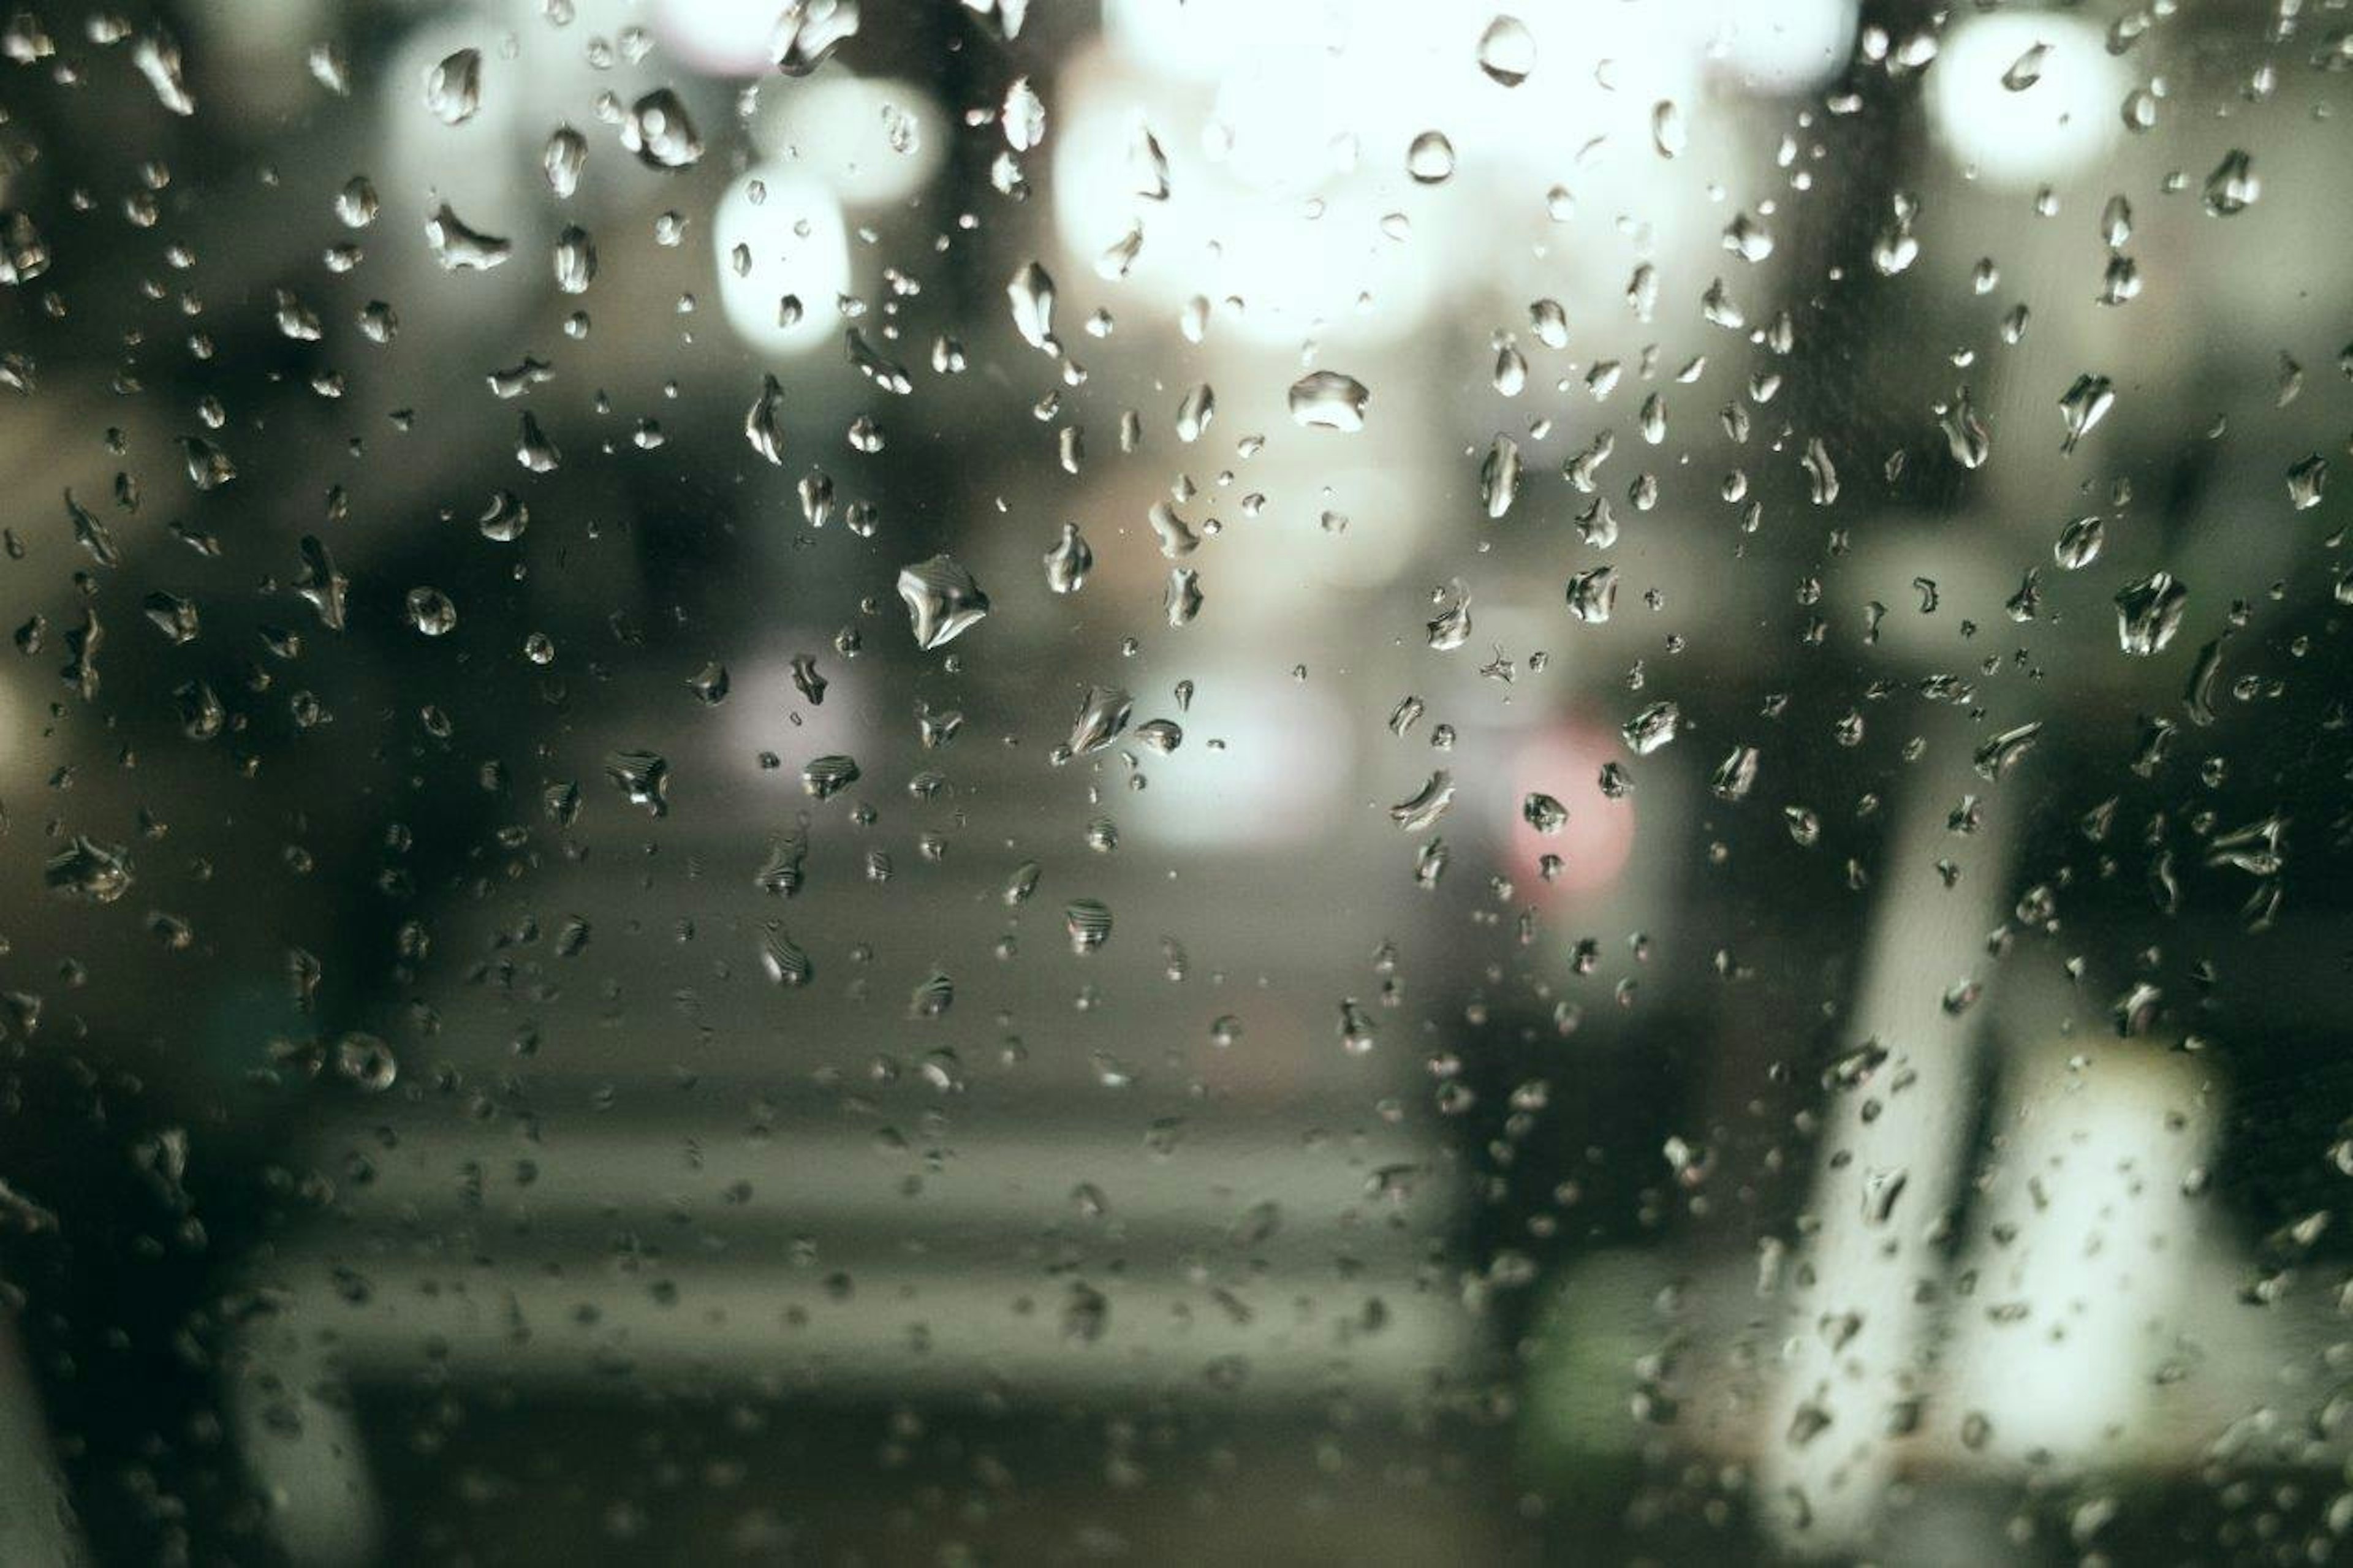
x=1175, y=781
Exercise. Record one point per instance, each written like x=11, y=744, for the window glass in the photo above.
x=863, y=781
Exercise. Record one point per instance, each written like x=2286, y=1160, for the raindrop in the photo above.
x=565, y=155
x=658, y=132
x=432, y=612
x=760, y=425
x=1593, y=593
x=811, y=30
x=1327, y=400
x=1507, y=51
x=1421, y=809
x=2078, y=544
x=828, y=775
x=1667, y=132
x=1088, y=920
x=2084, y=404
x=459, y=248
x=1031, y=295
x=2233, y=188
x=1651, y=729
x=643, y=777
x=1103, y=715
x=1499, y=475
x=1069, y=562
x=453, y=87
x=575, y=260
x=943, y=600
x=88, y=871
x=782, y=960
x=1431, y=159
x=2027, y=69
x=1735, y=775
x=2149, y=611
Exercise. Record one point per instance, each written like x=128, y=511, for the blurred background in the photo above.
x=870, y=782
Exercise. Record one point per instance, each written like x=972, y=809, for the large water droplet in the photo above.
x=658, y=132
x=2233, y=188
x=458, y=248
x=1102, y=714
x=811, y=30
x=564, y=156
x=2149, y=611
x=643, y=777
x=1507, y=51
x=1327, y=400
x=1651, y=729
x=89, y=871
x=1431, y=159
x=1420, y=809
x=453, y=87
x=1069, y=562
x=942, y=601
x=1031, y=295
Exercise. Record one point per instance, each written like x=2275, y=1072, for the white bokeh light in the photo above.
x=2055, y=127
x=799, y=245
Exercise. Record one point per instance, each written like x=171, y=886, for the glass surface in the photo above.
x=1326, y=780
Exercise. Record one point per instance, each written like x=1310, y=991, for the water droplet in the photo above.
x=1822, y=474
x=1031, y=295
x=2149, y=611
x=356, y=203
x=1088, y=920
x=1499, y=475
x=1430, y=160
x=1667, y=132
x=658, y=132
x=2027, y=69
x=89, y=871
x=943, y=600
x=1998, y=755
x=432, y=612
x=565, y=155
x=1069, y=562
x=1327, y=400
x=1507, y=51
x=461, y=248
x=1735, y=775
x=1422, y=808
x=1194, y=411
x=826, y=776
x=2233, y=188
x=782, y=960
x=2083, y=405
x=1965, y=433
x=2078, y=544
x=811, y=30
x=760, y=425
x=453, y=87
x=1149, y=163
x=1593, y=593
x=1651, y=729
x=533, y=450
x=1182, y=597
x=1102, y=714
x=1450, y=627
x=1023, y=118
x=367, y=1061
x=575, y=260
x=2306, y=480
x=1543, y=813
x=643, y=778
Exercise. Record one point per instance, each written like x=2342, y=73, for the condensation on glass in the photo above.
x=1173, y=780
